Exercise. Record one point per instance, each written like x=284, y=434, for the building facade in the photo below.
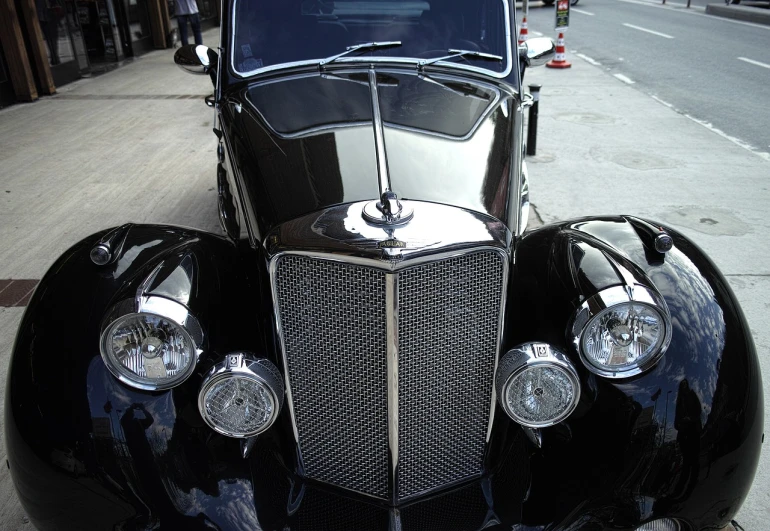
x=48, y=43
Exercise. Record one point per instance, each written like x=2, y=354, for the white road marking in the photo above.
x=624, y=79
x=737, y=141
x=667, y=104
x=753, y=62
x=536, y=33
x=648, y=31
x=695, y=11
x=581, y=11
x=588, y=59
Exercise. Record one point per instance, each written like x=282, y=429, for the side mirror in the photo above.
x=537, y=51
x=196, y=59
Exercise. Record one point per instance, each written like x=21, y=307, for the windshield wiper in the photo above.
x=363, y=47
x=459, y=53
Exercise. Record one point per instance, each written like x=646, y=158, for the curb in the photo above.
x=756, y=15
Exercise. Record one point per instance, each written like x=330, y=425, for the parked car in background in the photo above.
x=376, y=341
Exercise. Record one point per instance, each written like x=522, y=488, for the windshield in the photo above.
x=277, y=32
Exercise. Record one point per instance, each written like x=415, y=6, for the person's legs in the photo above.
x=195, y=22
x=182, y=21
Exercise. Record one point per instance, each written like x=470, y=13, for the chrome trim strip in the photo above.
x=391, y=266
x=517, y=156
x=391, y=328
x=379, y=136
x=500, y=328
x=141, y=291
x=279, y=329
x=400, y=60
x=252, y=227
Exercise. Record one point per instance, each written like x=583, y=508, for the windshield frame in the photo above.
x=410, y=61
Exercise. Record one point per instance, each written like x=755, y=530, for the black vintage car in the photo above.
x=377, y=342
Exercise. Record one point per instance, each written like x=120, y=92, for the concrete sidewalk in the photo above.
x=136, y=145
x=606, y=148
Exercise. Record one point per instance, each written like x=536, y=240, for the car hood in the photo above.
x=306, y=142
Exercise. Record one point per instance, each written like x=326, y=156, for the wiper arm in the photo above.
x=469, y=93
x=364, y=47
x=459, y=53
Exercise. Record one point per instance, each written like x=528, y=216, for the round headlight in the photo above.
x=537, y=385
x=148, y=351
x=662, y=524
x=623, y=337
x=617, y=336
x=241, y=397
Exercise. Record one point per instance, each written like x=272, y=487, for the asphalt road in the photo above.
x=714, y=70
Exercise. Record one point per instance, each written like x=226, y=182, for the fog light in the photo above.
x=241, y=397
x=537, y=385
x=662, y=524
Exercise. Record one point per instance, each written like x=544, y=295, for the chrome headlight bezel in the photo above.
x=160, y=307
x=605, y=300
x=242, y=365
x=528, y=356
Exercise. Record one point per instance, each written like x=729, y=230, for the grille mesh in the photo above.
x=333, y=320
x=333, y=325
x=448, y=328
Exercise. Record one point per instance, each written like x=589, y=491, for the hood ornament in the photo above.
x=388, y=210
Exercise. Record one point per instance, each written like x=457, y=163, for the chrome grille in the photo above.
x=333, y=326
x=448, y=333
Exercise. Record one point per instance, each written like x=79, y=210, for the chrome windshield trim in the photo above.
x=399, y=60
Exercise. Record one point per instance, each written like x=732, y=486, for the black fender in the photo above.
x=681, y=440
x=88, y=452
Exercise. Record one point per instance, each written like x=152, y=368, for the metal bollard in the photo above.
x=534, y=89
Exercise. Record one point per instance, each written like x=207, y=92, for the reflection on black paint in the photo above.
x=688, y=427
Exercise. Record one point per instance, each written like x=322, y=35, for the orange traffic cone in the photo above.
x=560, y=61
x=523, y=33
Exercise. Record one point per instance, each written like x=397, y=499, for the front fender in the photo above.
x=681, y=440
x=88, y=452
